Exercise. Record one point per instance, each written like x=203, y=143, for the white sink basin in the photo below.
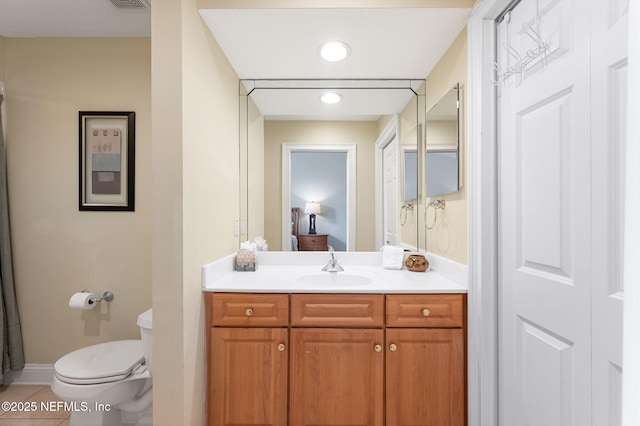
x=336, y=279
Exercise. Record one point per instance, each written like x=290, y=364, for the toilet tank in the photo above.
x=145, y=322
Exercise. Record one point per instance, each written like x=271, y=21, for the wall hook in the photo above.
x=435, y=205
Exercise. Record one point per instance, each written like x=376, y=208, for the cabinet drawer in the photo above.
x=337, y=310
x=257, y=310
x=425, y=310
x=312, y=242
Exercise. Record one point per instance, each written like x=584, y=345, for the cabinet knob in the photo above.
x=281, y=347
x=249, y=312
x=426, y=312
x=393, y=347
x=377, y=348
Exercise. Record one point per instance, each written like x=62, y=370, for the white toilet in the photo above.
x=108, y=384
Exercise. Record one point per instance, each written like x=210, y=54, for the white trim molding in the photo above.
x=631, y=279
x=32, y=374
x=387, y=135
x=483, y=229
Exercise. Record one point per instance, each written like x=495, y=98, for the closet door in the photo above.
x=545, y=236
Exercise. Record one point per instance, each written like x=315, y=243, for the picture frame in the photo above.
x=107, y=160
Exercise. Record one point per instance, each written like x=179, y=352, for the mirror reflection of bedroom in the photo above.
x=321, y=178
x=318, y=189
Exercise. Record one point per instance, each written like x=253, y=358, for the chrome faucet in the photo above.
x=333, y=265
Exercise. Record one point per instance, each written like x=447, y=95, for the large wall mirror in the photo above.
x=443, y=147
x=347, y=168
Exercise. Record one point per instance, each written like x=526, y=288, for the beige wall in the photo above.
x=448, y=237
x=363, y=134
x=442, y=133
x=195, y=198
x=59, y=250
x=195, y=194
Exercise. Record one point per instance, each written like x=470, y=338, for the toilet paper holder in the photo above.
x=107, y=296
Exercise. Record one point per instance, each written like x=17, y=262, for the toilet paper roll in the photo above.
x=82, y=300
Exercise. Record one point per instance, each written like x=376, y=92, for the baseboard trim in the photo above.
x=32, y=374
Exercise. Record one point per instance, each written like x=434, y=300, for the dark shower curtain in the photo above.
x=12, y=353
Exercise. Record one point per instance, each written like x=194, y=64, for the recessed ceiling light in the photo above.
x=334, y=51
x=331, y=98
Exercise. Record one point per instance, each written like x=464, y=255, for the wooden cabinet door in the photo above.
x=425, y=377
x=248, y=376
x=337, y=377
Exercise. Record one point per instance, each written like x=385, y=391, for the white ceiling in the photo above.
x=71, y=18
x=284, y=44
x=276, y=44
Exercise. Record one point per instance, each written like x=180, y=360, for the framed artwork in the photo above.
x=107, y=160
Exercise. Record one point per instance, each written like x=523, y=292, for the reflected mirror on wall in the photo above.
x=279, y=112
x=410, y=175
x=443, y=148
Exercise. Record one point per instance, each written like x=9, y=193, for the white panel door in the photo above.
x=609, y=32
x=544, y=216
x=390, y=191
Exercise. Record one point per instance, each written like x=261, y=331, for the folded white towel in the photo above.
x=392, y=257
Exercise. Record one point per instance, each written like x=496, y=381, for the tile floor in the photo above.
x=31, y=405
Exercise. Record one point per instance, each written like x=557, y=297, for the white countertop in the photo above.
x=300, y=272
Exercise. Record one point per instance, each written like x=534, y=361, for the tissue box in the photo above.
x=246, y=260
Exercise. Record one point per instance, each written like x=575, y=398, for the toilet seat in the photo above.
x=101, y=363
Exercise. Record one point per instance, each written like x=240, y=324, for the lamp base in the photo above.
x=312, y=224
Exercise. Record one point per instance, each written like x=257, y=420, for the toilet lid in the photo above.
x=101, y=363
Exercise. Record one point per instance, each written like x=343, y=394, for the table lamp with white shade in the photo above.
x=312, y=209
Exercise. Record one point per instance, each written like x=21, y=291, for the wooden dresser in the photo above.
x=313, y=242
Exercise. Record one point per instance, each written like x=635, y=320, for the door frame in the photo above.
x=482, y=298
x=631, y=278
x=390, y=131
x=483, y=227
x=287, y=149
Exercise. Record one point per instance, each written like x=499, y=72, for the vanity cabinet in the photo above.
x=336, y=359
x=248, y=359
x=425, y=377
x=425, y=365
x=337, y=377
x=248, y=384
